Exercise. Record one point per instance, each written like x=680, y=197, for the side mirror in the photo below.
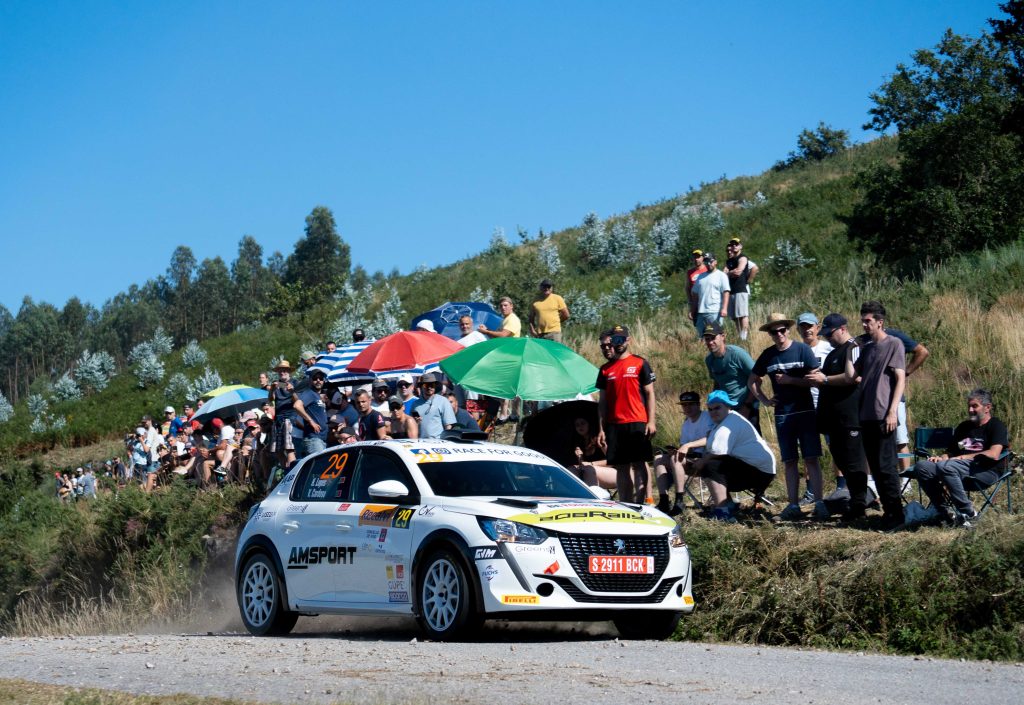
x=601, y=492
x=388, y=489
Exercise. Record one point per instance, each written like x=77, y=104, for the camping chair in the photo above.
x=1005, y=463
x=927, y=440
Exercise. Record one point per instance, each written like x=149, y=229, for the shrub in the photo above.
x=547, y=251
x=6, y=410
x=788, y=257
x=161, y=342
x=209, y=379
x=583, y=308
x=192, y=355
x=38, y=405
x=390, y=319
x=148, y=369
x=65, y=389
x=93, y=370
x=178, y=388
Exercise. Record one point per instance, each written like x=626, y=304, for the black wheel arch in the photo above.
x=447, y=538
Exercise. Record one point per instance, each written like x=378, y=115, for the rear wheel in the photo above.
x=261, y=599
x=445, y=598
x=647, y=624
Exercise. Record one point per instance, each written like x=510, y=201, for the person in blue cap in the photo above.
x=735, y=458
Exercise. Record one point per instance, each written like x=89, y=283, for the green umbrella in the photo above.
x=531, y=368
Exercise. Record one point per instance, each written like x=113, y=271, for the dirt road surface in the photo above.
x=361, y=662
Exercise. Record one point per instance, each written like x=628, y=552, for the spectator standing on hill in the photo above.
x=381, y=392
x=358, y=335
x=626, y=413
x=282, y=395
x=548, y=314
x=918, y=354
x=264, y=381
x=807, y=325
x=88, y=483
x=167, y=423
x=311, y=411
x=406, y=392
x=881, y=373
x=511, y=327
x=468, y=400
x=839, y=412
x=741, y=272
x=434, y=412
x=729, y=367
x=709, y=298
x=372, y=424
x=975, y=452
x=735, y=458
x=671, y=467
x=693, y=273
x=140, y=454
x=786, y=363
x=154, y=440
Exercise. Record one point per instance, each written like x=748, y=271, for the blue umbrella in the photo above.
x=445, y=318
x=335, y=364
x=229, y=404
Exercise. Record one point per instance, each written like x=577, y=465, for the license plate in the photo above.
x=622, y=564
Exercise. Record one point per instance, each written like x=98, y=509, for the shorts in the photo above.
x=847, y=449
x=735, y=474
x=702, y=320
x=628, y=443
x=739, y=305
x=555, y=335
x=282, y=437
x=902, y=437
x=313, y=444
x=799, y=428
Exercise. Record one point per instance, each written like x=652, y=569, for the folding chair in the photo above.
x=1005, y=463
x=926, y=441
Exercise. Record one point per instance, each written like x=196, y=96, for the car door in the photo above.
x=317, y=544
x=382, y=533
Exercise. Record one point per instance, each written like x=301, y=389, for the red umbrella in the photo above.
x=404, y=352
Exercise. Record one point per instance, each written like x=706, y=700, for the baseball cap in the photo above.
x=395, y=402
x=720, y=397
x=712, y=328
x=831, y=322
x=407, y=379
x=808, y=318
x=307, y=354
x=426, y=324
x=619, y=330
x=169, y=410
x=710, y=257
x=698, y=252
x=217, y=423
x=140, y=431
x=545, y=283
x=689, y=397
x=735, y=241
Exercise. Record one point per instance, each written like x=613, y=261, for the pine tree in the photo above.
x=192, y=355
x=593, y=242
x=623, y=242
x=209, y=379
x=65, y=389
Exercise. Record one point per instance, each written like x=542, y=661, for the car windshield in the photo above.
x=502, y=478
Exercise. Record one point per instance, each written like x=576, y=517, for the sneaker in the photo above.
x=722, y=514
x=663, y=504
x=676, y=510
x=792, y=512
x=220, y=470
x=821, y=512
x=807, y=499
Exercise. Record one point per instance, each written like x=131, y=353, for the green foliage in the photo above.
x=321, y=260
x=788, y=257
x=815, y=145
x=192, y=355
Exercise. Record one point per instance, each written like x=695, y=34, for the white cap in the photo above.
x=405, y=378
x=169, y=409
x=140, y=431
x=227, y=432
x=426, y=324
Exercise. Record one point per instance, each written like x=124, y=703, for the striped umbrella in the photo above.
x=335, y=364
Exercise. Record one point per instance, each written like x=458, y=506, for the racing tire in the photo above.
x=657, y=625
x=261, y=599
x=444, y=598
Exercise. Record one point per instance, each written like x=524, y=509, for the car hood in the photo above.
x=568, y=515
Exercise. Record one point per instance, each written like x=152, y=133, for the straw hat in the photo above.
x=774, y=320
x=283, y=366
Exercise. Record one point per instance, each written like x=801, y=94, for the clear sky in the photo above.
x=127, y=129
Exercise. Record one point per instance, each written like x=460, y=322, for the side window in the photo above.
x=377, y=466
x=327, y=477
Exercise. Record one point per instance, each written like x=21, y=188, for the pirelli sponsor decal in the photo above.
x=301, y=557
x=520, y=600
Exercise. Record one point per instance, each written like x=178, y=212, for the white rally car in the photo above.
x=455, y=532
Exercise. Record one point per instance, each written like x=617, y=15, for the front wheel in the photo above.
x=444, y=598
x=647, y=624
x=261, y=599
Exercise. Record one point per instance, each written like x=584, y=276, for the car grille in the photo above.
x=578, y=550
x=579, y=596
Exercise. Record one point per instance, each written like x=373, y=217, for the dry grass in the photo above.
x=20, y=692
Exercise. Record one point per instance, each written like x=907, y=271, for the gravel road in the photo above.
x=361, y=662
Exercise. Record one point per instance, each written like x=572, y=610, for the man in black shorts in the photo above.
x=626, y=414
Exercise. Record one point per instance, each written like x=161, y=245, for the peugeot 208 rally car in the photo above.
x=454, y=533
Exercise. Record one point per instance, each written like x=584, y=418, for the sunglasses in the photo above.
x=607, y=346
x=778, y=331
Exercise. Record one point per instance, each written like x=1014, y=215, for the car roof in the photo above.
x=455, y=451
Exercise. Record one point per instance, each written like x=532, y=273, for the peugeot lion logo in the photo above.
x=620, y=546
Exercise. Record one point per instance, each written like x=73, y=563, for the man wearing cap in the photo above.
x=282, y=395
x=787, y=363
x=839, y=412
x=709, y=298
x=741, y=271
x=177, y=422
x=548, y=313
x=625, y=416
x=402, y=425
x=433, y=412
x=426, y=324
x=808, y=326
x=166, y=423
x=381, y=392
x=140, y=455
x=736, y=457
x=693, y=434
x=881, y=373
x=729, y=367
x=695, y=271
x=311, y=415
x=406, y=392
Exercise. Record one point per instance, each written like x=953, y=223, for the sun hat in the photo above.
x=720, y=397
x=283, y=366
x=775, y=320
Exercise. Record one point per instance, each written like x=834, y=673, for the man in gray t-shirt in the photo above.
x=881, y=371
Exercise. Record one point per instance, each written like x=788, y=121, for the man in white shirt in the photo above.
x=709, y=297
x=735, y=457
x=693, y=434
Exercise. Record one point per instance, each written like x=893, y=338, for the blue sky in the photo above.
x=127, y=129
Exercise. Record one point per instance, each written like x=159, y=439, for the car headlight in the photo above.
x=675, y=538
x=512, y=531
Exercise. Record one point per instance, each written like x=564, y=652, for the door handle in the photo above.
x=290, y=526
x=343, y=527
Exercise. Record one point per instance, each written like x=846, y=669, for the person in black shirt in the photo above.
x=839, y=411
x=977, y=447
